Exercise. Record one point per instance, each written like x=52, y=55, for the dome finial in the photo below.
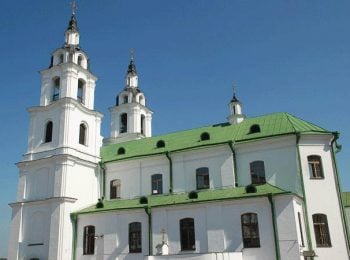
x=234, y=88
x=132, y=51
x=74, y=7
x=132, y=67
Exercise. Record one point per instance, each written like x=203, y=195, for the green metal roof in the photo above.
x=270, y=125
x=182, y=198
x=345, y=196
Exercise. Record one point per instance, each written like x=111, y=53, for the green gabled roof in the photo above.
x=345, y=196
x=270, y=125
x=182, y=198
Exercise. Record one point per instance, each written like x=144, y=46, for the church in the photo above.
x=262, y=188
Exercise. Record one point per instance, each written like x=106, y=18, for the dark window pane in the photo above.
x=321, y=230
x=123, y=123
x=202, y=178
x=135, y=238
x=115, y=189
x=48, y=132
x=315, y=166
x=157, y=184
x=82, y=134
x=187, y=234
x=250, y=230
x=89, y=240
x=257, y=172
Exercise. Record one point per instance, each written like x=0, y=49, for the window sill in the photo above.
x=316, y=178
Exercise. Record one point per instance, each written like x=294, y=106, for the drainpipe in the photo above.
x=170, y=171
x=150, y=242
x=235, y=176
x=275, y=230
x=103, y=179
x=336, y=176
x=74, y=220
x=305, y=211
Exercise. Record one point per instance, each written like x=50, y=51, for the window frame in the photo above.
x=81, y=91
x=48, y=132
x=315, y=166
x=321, y=230
x=135, y=237
x=157, y=184
x=114, y=189
x=83, y=134
x=89, y=240
x=56, y=88
x=250, y=230
x=202, y=178
x=187, y=234
x=257, y=178
x=123, y=123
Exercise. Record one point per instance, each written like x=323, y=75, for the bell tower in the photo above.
x=59, y=172
x=130, y=117
x=236, y=115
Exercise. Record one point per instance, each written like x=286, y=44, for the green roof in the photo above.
x=345, y=196
x=270, y=125
x=183, y=198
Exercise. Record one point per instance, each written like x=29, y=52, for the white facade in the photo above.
x=260, y=188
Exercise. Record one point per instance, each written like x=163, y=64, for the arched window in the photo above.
x=82, y=134
x=157, y=183
x=80, y=93
x=322, y=236
x=250, y=230
x=135, y=237
x=160, y=144
x=254, y=129
x=125, y=99
x=80, y=59
x=142, y=124
x=48, y=132
x=315, y=167
x=205, y=136
x=187, y=234
x=123, y=123
x=60, y=59
x=202, y=178
x=114, y=189
x=121, y=151
x=257, y=172
x=89, y=240
x=56, y=89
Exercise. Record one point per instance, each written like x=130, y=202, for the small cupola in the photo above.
x=72, y=32
x=131, y=79
x=236, y=116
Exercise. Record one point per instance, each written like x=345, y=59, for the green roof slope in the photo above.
x=182, y=198
x=345, y=196
x=270, y=125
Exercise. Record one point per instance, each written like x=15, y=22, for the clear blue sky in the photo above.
x=291, y=56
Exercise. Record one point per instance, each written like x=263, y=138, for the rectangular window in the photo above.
x=135, y=238
x=187, y=234
x=321, y=230
x=202, y=178
x=157, y=184
x=315, y=167
x=114, y=189
x=300, y=229
x=89, y=240
x=250, y=230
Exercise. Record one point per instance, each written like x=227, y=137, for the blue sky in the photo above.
x=290, y=56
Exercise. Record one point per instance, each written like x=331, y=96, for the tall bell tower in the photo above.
x=59, y=172
x=130, y=117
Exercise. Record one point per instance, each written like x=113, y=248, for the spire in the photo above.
x=132, y=67
x=72, y=33
x=73, y=22
x=236, y=116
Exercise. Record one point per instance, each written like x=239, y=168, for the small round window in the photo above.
x=205, y=136
x=160, y=144
x=121, y=150
x=254, y=129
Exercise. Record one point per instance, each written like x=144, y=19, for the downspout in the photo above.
x=235, y=176
x=274, y=224
x=103, y=178
x=306, y=215
x=74, y=219
x=336, y=176
x=150, y=242
x=170, y=172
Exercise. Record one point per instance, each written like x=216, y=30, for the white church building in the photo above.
x=262, y=188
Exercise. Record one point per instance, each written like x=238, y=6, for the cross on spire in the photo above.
x=132, y=52
x=74, y=7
